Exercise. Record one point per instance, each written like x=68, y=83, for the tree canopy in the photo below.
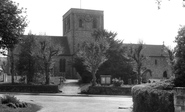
x=12, y=23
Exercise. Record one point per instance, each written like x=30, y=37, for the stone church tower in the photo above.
x=78, y=25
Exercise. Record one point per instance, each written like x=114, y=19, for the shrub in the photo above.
x=153, y=97
x=117, y=82
x=9, y=99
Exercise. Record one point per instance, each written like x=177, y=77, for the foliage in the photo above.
x=27, y=64
x=12, y=24
x=170, y=57
x=153, y=97
x=45, y=53
x=117, y=82
x=179, y=66
x=81, y=69
x=117, y=65
x=93, y=54
x=9, y=99
x=135, y=53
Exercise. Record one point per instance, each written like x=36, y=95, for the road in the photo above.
x=92, y=103
x=70, y=101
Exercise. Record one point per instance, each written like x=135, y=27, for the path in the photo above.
x=70, y=87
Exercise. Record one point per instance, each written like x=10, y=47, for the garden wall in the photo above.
x=149, y=99
x=109, y=90
x=30, y=88
x=179, y=99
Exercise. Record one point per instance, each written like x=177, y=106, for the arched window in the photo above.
x=165, y=75
x=62, y=65
x=94, y=23
x=80, y=23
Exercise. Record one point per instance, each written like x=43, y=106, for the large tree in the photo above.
x=117, y=64
x=137, y=58
x=179, y=66
x=12, y=24
x=26, y=64
x=93, y=55
x=46, y=53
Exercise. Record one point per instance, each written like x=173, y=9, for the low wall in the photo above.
x=109, y=90
x=179, y=99
x=30, y=88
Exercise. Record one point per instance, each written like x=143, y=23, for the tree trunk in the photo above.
x=139, y=75
x=94, y=79
x=47, y=74
x=12, y=64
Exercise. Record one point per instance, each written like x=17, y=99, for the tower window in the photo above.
x=80, y=23
x=94, y=23
x=155, y=62
x=62, y=65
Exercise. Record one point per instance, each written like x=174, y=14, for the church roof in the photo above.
x=60, y=40
x=57, y=40
x=151, y=50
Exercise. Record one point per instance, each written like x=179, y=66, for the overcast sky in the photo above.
x=131, y=19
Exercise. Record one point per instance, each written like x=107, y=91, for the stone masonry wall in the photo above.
x=158, y=65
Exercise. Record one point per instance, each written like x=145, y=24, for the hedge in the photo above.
x=109, y=90
x=153, y=98
x=30, y=88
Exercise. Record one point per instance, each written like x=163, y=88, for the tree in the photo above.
x=117, y=65
x=170, y=57
x=93, y=54
x=137, y=58
x=12, y=25
x=26, y=64
x=45, y=52
x=160, y=1
x=179, y=66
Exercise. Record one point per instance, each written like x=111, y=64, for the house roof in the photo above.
x=151, y=50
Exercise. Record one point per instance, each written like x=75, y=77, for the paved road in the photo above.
x=70, y=101
x=52, y=103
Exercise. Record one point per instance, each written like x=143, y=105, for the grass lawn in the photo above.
x=30, y=108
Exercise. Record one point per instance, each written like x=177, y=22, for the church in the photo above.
x=78, y=25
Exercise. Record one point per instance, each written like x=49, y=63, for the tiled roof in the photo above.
x=151, y=50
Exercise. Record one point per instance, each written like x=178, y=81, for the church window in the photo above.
x=94, y=23
x=165, y=75
x=155, y=62
x=62, y=65
x=80, y=23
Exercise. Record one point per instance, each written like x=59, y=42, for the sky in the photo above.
x=132, y=20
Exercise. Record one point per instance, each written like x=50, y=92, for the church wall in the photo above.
x=68, y=66
x=158, y=65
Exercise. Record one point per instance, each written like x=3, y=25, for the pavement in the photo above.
x=70, y=101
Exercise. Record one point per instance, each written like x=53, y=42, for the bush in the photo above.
x=153, y=97
x=117, y=82
x=9, y=99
